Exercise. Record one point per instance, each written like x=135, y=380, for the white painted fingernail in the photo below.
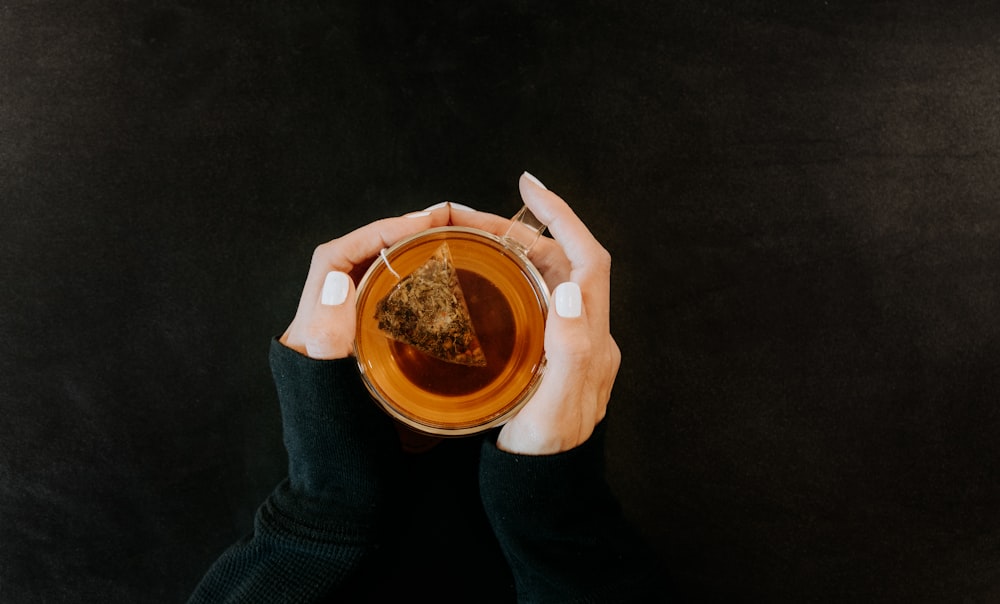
x=436, y=206
x=459, y=206
x=531, y=177
x=417, y=214
x=569, y=300
x=335, y=288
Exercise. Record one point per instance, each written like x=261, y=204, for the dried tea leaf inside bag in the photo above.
x=427, y=310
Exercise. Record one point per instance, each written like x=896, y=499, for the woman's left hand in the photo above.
x=324, y=323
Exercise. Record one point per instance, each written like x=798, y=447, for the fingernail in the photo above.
x=417, y=214
x=335, y=288
x=531, y=177
x=569, y=300
x=457, y=206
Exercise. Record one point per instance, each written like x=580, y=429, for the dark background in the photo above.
x=802, y=200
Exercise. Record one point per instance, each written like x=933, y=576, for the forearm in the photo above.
x=562, y=529
x=299, y=551
x=320, y=527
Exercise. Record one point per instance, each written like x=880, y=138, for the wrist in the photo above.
x=529, y=438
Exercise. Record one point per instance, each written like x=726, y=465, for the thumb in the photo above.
x=567, y=353
x=567, y=338
x=330, y=331
x=554, y=420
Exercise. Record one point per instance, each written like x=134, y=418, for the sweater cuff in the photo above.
x=548, y=485
x=315, y=386
x=341, y=447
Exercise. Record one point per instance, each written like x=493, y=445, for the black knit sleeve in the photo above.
x=322, y=525
x=561, y=528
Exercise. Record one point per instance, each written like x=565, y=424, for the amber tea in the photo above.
x=506, y=301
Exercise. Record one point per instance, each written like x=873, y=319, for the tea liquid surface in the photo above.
x=507, y=308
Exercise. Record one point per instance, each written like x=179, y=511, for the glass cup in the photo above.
x=507, y=300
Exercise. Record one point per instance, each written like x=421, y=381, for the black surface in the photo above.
x=802, y=200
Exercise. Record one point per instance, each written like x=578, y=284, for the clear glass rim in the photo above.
x=518, y=255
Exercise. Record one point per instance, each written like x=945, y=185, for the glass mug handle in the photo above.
x=524, y=231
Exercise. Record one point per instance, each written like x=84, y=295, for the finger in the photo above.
x=329, y=333
x=465, y=216
x=545, y=254
x=558, y=416
x=323, y=326
x=570, y=350
x=568, y=341
x=590, y=262
x=363, y=244
x=451, y=205
x=584, y=251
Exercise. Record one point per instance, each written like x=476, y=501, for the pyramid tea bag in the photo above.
x=427, y=310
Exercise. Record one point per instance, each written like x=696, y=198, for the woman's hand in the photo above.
x=582, y=357
x=324, y=324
